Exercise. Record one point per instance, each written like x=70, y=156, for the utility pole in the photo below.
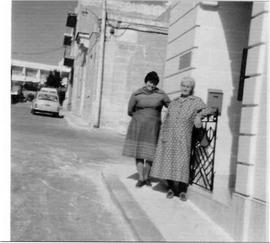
x=100, y=66
x=83, y=90
x=83, y=79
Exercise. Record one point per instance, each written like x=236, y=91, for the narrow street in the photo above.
x=57, y=192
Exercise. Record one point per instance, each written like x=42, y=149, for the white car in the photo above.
x=46, y=102
x=49, y=90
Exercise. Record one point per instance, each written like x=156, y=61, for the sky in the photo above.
x=38, y=27
x=37, y=30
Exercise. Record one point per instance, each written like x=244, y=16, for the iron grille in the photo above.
x=203, y=157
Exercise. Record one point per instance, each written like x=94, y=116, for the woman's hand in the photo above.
x=197, y=122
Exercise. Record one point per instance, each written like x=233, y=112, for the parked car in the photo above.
x=17, y=94
x=46, y=102
x=49, y=90
x=30, y=90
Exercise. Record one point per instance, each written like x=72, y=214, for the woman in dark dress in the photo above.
x=145, y=107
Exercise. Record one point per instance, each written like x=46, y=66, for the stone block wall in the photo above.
x=221, y=38
x=253, y=168
x=129, y=55
x=126, y=64
x=215, y=35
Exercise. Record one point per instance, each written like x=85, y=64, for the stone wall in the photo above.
x=253, y=167
x=215, y=35
x=221, y=37
x=130, y=53
x=127, y=61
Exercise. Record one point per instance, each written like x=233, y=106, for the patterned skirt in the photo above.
x=172, y=157
x=142, y=134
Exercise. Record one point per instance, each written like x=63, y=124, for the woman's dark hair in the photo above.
x=152, y=77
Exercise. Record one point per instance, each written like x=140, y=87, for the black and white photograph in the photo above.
x=137, y=120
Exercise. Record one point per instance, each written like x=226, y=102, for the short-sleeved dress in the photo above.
x=173, y=150
x=145, y=108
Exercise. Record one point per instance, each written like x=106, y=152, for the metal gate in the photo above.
x=203, y=157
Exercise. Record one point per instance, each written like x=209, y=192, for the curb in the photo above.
x=141, y=226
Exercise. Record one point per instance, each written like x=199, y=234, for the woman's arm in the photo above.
x=202, y=111
x=206, y=112
x=166, y=100
x=131, y=105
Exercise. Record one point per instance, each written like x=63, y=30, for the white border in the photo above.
x=5, y=121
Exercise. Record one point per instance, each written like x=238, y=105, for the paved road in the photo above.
x=57, y=192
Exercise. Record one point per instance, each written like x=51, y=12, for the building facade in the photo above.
x=134, y=44
x=222, y=45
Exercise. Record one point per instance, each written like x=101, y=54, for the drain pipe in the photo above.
x=100, y=66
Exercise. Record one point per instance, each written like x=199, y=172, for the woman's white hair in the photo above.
x=191, y=81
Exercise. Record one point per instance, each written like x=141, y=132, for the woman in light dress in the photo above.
x=172, y=156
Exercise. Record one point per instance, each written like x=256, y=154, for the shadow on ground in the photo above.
x=48, y=115
x=160, y=185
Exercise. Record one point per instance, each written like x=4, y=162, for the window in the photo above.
x=47, y=97
x=71, y=20
x=185, y=60
x=30, y=72
x=242, y=75
x=17, y=70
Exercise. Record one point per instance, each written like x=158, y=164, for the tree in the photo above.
x=54, y=79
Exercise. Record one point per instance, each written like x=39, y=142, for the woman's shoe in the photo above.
x=148, y=182
x=139, y=183
x=182, y=196
x=170, y=194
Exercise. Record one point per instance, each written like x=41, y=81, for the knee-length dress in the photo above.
x=142, y=135
x=172, y=156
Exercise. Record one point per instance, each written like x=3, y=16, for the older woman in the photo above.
x=145, y=107
x=173, y=151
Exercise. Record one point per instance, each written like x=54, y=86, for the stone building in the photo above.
x=135, y=43
x=223, y=46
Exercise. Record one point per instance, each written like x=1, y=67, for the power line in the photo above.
x=138, y=24
x=140, y=27
x=148, y=31
x=93, y=14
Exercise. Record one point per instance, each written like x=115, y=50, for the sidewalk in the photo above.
x=150, y=215
x=154, y=217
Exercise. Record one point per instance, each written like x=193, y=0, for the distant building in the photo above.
x=23, y=71
x=223, y=46
x=135, y=44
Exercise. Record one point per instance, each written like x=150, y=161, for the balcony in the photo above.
x=83, y=39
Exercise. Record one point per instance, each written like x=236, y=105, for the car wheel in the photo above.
x=33, y=112
x=56, y=114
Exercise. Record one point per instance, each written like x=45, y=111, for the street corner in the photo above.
x=140, y=224
x=75, y=121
